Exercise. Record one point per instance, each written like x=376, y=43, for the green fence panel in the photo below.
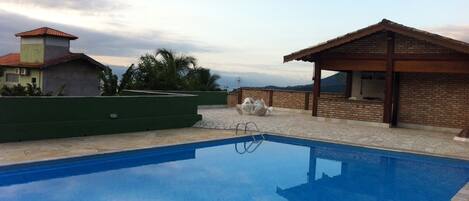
x=33, y=118
x=203, y=97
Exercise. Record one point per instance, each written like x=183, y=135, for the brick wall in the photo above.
x=288, y=99
x=375, y=43
x=434, y=99
x=408, y=45
x=257, y=94
x=330, y=105
x=232, y=99
x=340, y=108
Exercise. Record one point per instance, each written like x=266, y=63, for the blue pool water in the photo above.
x=279, y=169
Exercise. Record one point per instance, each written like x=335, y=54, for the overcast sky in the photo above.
x=246, y=38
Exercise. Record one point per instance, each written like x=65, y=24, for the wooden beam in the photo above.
x=354, y=65
x=240, y=96
x=271, y=97
x=307, y=95
x=397, y=56
x=317, y=87
x=432, y=66
x=389, y=78
x=348, y=84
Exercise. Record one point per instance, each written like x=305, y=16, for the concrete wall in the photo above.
x=434, y=99
x=56, y=48
x=79, y=78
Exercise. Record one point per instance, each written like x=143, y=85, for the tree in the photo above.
x=201, y=79
x=164, y=70
x=108, y=82
x=127, y=80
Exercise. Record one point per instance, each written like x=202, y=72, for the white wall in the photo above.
x=367, y=88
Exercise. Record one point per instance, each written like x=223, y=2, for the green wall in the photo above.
x=33, y=118
x=32, y=53
x=203, y=97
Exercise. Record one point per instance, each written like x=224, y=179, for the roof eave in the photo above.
x=384, y=25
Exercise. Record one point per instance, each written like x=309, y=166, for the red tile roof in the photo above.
x=13, y=60
x=46, y=31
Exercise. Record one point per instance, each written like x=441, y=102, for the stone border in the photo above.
x=352, y=122
x=463, y=194
x=429, y=128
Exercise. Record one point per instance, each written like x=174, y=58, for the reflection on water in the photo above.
x=273, y=171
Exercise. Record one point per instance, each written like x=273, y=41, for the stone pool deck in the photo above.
x=302, y=125
x=218, y=124
x=23, y=152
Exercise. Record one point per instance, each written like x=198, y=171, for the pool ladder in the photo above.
x=249, y=147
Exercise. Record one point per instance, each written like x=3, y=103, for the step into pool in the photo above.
x=239, y=169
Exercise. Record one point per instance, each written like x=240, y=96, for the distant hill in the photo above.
x=335, y=83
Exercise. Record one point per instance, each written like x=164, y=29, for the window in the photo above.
x=24, y=71
x=10, y=77
x=33, y=80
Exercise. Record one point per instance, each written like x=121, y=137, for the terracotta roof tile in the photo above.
x=10, y=59
x=13, y=60
x=46, y=31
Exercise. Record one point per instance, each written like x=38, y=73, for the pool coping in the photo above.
x=242, y=135
x=463, y=194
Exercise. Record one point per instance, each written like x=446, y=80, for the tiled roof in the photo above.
x=46, y=31
x=13, y=60
x=10, y=59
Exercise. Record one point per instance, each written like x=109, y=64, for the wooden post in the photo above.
x=395, y=100
x=387, y=113
x=317, y=87
x=271, y=97
x=307, y=94
x=240, y=95
x=348, y=86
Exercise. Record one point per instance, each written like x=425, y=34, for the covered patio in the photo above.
x=396, y=75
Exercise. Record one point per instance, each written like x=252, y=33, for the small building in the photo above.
x=45, y=60
x=396, y=75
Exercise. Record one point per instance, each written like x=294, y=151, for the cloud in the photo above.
x=453, y=31
x=95, y=42
x=78, y=5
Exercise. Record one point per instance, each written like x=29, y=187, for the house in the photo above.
x=46, y=61
x=396, y=75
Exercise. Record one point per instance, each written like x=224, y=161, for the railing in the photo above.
x=249, y=147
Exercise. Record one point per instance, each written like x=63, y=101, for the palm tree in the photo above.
x=201, y=79
x=174, y=68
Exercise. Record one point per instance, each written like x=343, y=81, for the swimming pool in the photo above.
x=279, y=168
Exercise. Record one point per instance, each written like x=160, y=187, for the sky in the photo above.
x=234, y=38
